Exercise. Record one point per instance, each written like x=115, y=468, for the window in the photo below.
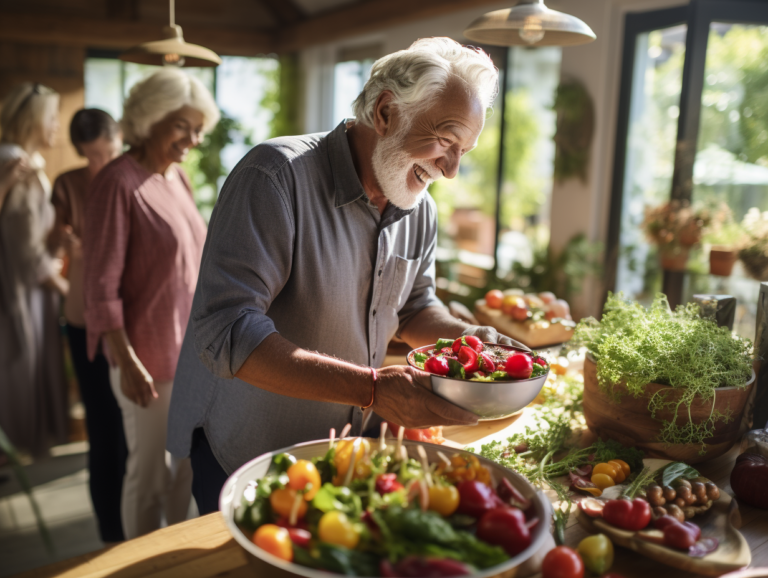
x=692, y=127
x=241, y=87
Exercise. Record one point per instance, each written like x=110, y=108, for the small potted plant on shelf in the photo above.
x=725, y=240
x=754, y=251
x=677, y=226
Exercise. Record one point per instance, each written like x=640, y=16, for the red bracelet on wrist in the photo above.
x=375, y=377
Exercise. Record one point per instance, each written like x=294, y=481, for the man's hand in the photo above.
x=404, y=396
x=490, y=335
x=136, y=383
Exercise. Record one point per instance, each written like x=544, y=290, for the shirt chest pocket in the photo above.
x=404, y=277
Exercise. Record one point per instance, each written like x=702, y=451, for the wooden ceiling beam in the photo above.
x=285, y=12
x=121, y=34
x=365, y=17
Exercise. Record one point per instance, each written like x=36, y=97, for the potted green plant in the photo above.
x=676, y=226
x=754, y=251
x=670, y=382
x=725, y=241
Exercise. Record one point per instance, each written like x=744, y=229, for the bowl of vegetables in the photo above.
x=489, y=379
x=367, y=507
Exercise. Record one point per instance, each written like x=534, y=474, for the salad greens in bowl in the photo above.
x=491, y=380
x=367, y=507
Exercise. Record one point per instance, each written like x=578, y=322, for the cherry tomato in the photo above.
x=469, y=359
x=476, y=498
x=335, y=528
x=547, y=297
x=606, y=468
x=519, y=366
x=493, y=298
x=510, y=302
x=343, y=457
x=602, y=481
x=274, y=540
x=486, y=363
x=282, y=501
x=300, y=537
x=437, y=365
x=562, y=562
x=519, y=313
x=623, y=465
x=443, y=499
x=596, y=553
x=505, y=527
x=474, y=342
x=387, y=483
x=304, y=474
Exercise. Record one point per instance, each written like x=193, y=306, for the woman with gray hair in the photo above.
x=142, y=247
x=33, y=395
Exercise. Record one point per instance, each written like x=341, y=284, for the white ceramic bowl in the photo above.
x=270, y=565
x=486, y=399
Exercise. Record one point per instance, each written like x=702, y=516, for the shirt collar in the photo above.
x=348, y=187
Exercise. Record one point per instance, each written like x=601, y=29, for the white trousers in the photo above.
x=155, y=482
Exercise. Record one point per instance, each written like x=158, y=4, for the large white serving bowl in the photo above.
x=486, y=399
x=270, y=565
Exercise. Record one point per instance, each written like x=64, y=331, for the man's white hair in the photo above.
x=166, y=91
x=418, y=75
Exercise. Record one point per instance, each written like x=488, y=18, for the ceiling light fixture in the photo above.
x=529, y=23
x=172, y=51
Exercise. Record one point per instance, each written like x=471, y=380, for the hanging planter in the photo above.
x=754, y=253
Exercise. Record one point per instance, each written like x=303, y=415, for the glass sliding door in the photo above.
x=652, y=72
x=693, y=127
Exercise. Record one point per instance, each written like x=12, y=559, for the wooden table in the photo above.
x=203, y=547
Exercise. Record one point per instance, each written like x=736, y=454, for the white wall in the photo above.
x=576, y=207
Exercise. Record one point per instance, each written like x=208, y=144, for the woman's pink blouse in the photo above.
x=142, y=242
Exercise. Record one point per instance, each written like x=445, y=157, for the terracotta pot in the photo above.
x=629, y=421
x=721, y=261
x=674, y=260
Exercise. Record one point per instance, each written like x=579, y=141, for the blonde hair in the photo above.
x=418, y=75
x=23, y=112
x=166, y=91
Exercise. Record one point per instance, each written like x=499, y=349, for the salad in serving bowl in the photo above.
x=489, y=379
x=365, y=507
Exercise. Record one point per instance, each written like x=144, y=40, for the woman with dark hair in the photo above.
x=97, y=137
x=33, y=395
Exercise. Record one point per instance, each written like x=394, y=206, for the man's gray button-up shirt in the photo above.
x=294, y=247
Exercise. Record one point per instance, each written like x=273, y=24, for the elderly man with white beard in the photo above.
x=320, y=249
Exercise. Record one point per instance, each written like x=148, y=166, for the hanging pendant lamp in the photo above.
x=172, y=51
x=529, y=23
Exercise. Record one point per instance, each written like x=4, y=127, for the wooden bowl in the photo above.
x=629, y=421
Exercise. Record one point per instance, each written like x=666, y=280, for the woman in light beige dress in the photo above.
x=33, y=395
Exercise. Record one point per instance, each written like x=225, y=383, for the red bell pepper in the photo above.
x=632, y=516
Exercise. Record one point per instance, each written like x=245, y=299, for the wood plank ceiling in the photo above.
x=232, y=27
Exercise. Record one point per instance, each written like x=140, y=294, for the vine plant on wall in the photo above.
x=575, y=127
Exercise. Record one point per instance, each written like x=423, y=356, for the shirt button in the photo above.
x=374, y=356
x=374, y=313
x=380, y=270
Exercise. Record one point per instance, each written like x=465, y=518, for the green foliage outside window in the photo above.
x=204, y=167
x=475, y=186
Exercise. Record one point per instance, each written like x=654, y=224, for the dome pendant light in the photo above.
x=529, y=23
x=172, y=51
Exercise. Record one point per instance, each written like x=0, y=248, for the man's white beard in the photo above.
x=391, y=165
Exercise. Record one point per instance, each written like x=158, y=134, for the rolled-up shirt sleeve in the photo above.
x=422, y=293
x=246, y=262
x=105, y=243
